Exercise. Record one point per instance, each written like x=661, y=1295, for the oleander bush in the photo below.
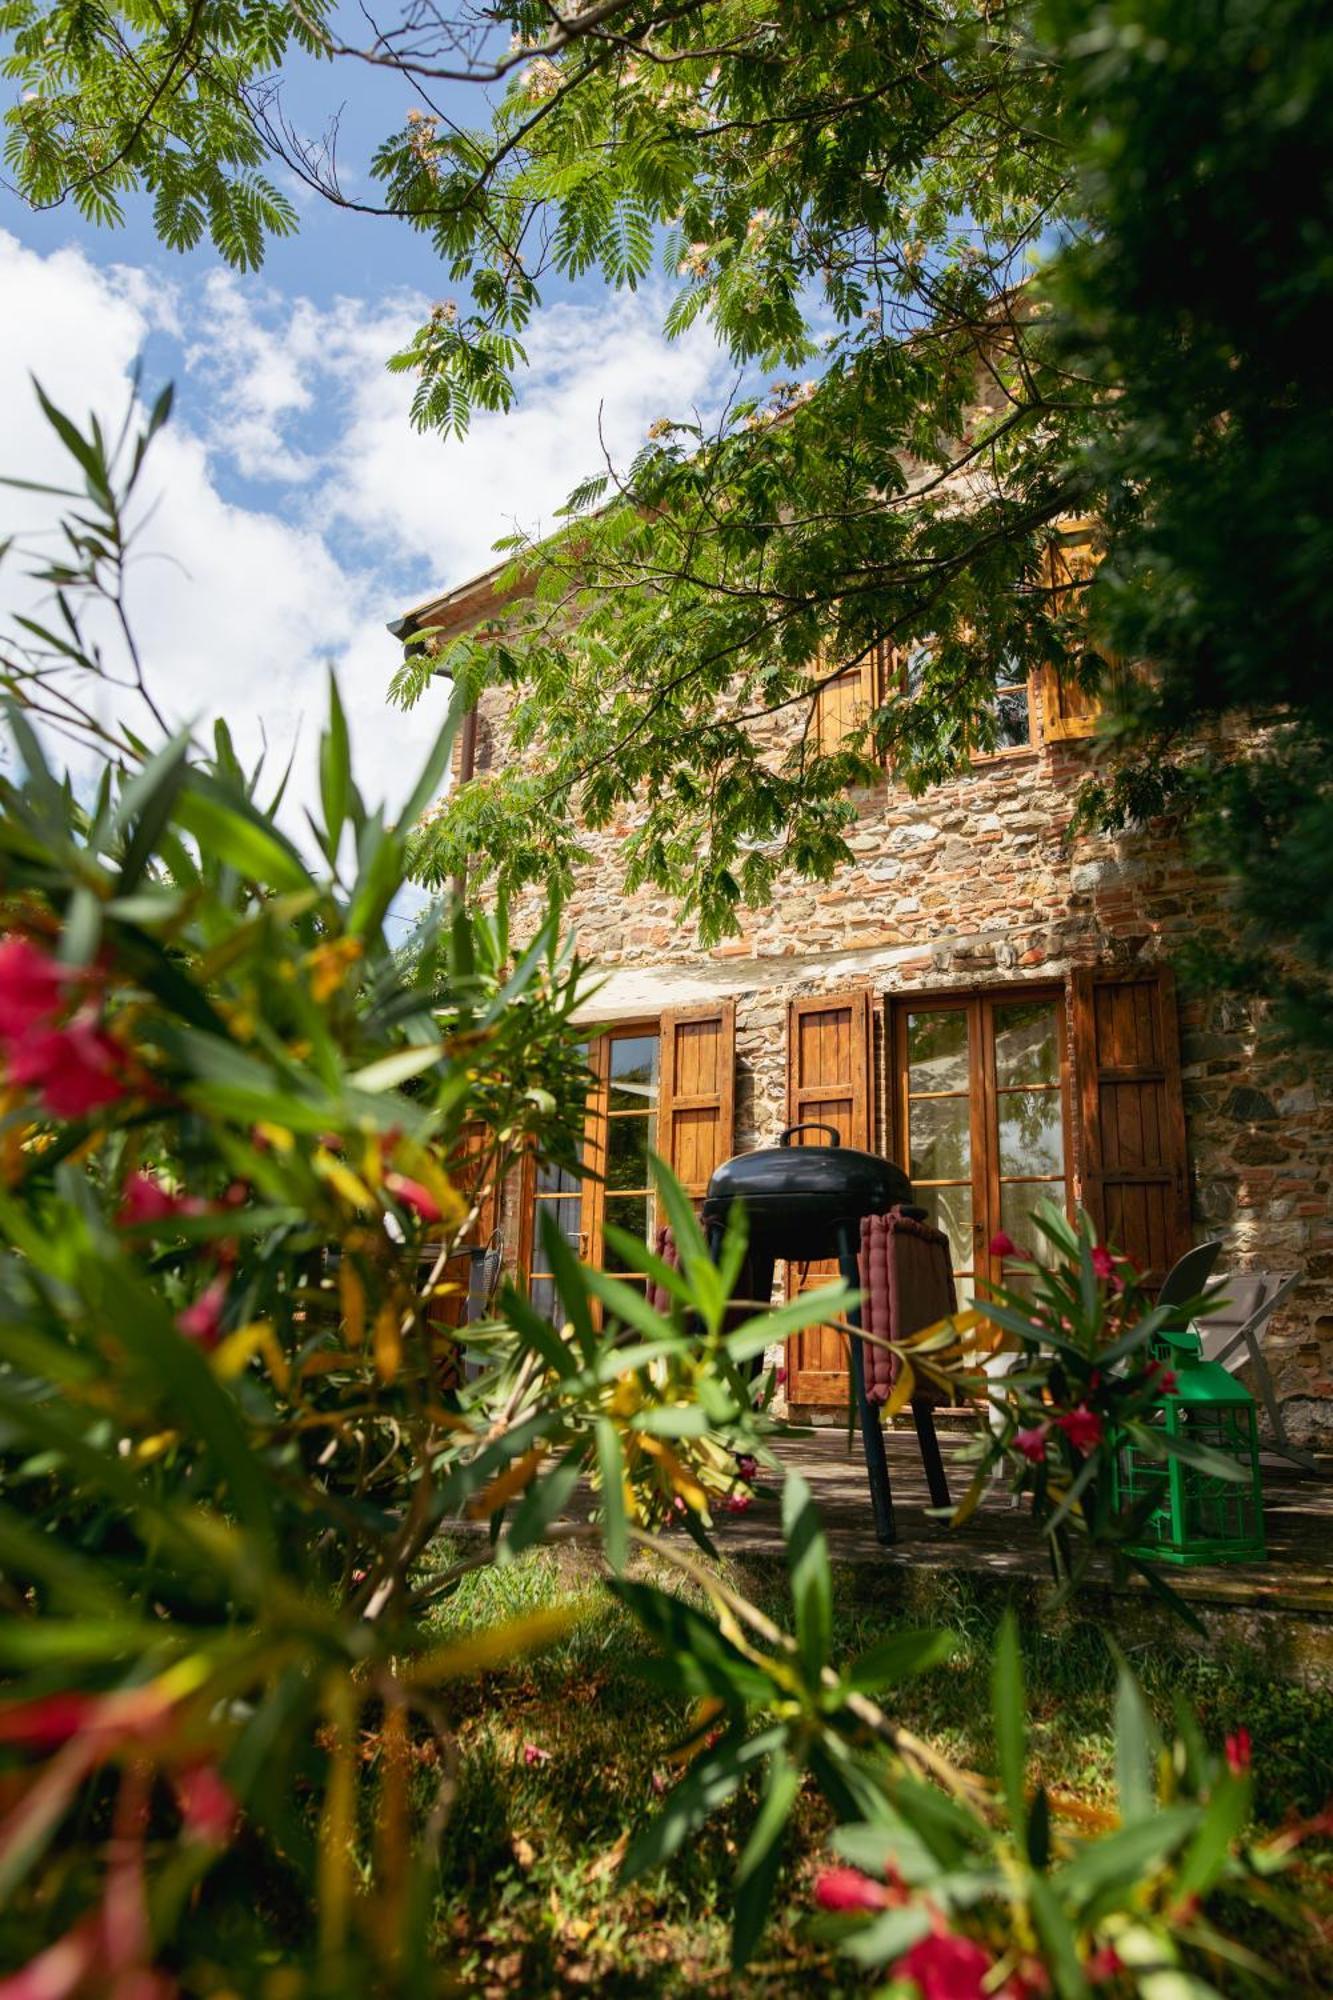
x=242, y=1138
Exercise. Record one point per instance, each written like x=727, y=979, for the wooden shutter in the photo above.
x=1132, y=1154
x=696, y=1103
x=1068, y=710
x=829, y=1081
x=846, y=703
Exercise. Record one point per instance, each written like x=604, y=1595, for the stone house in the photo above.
x=977, y=995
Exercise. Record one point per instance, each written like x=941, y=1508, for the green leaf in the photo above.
x=897, y=1658
x=757, y=1869
x=1007, y=1708
x=811, y=1580
x=544, y=1500
x=229, y=829
x=1057, y=1934
x=388, y=1072
x=611, y=1464
x=1136, y=1741
x=335, y=769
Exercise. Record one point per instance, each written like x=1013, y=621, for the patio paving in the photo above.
x=1001, y=1540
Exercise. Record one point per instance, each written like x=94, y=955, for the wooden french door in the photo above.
x=981, y=1117
x=664, y=1086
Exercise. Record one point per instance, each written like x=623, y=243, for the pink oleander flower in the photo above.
x=533, y=1754
x=1104, y=1264
x=1032, y=1443
x=780, y=1377
x=1238, y=1752
x=1104, y=1964
x=945, y=1967
x=1163, y=1381
x=1083, y=1427
x=412, y=1195
x=738, y=1503
x=747, y=1467
x=201, y=1321
x=847, y=1889
x=659, y=1785
x=32, y=986
x=208, y=1805
x=144, y=1199
x=1002, y=1244
x=78, y=1069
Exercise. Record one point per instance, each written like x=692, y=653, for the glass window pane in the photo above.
x=937, y=1050
x=950, y=1209
x=627, y=1152
x=633, y=1071
x=1031, y=1132
x=629, y=1212
x=565, y=1215
x=941, y=1139
x=1027, y=1045
x=1012, y=725
x=915, y=661
x=556, y=1180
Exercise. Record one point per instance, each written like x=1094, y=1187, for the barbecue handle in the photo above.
x=785, y=1138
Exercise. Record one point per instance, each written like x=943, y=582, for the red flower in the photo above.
x=1103, y=1263
x=1238, y=1752
x=77, y=1069
x=1104, y=1964
x=146, y=1200
x=1083, y=1427
x=747, y=1467
x=1032, y=1443
x=208, y=1805
x=31, y=986
x=202, y=1321
x=49, y=1722
x=534, y=1754
x=945, y=1967
x=845, y=1889
x=1002, y=1244
x=1162, y=1380
x=738, y=1503
x=780, y=1376
x=412, y=1195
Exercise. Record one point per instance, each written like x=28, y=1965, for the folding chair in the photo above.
x=1230, y=1333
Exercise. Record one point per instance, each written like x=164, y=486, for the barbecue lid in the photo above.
x=799, y=1189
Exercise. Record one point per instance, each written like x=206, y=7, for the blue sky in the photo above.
x=298, y=512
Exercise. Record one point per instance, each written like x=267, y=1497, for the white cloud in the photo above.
x=298, y=511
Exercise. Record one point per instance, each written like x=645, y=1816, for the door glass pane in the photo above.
x=1031, y=1132
x=627, y=1152
x=937, y=1050
x=556, y=1180
x=1017, y=1201
x=1027, y=1045
x=565, y=1215
x=542, y=1294
x=950, y=1209
x=633, y=1071
x=941, y=1139
x=628, y=1212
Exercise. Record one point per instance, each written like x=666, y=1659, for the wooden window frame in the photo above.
x=978, y=1002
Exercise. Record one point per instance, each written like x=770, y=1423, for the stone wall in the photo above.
x=978, y=884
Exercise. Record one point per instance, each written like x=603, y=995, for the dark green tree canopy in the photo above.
x=977, y=268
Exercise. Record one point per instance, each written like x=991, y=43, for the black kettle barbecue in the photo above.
x=795, y=1197
x=802, y=1204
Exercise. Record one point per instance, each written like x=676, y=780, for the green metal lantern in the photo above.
x=1200, y=1518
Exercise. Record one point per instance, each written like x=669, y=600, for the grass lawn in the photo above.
x=562, y=1758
